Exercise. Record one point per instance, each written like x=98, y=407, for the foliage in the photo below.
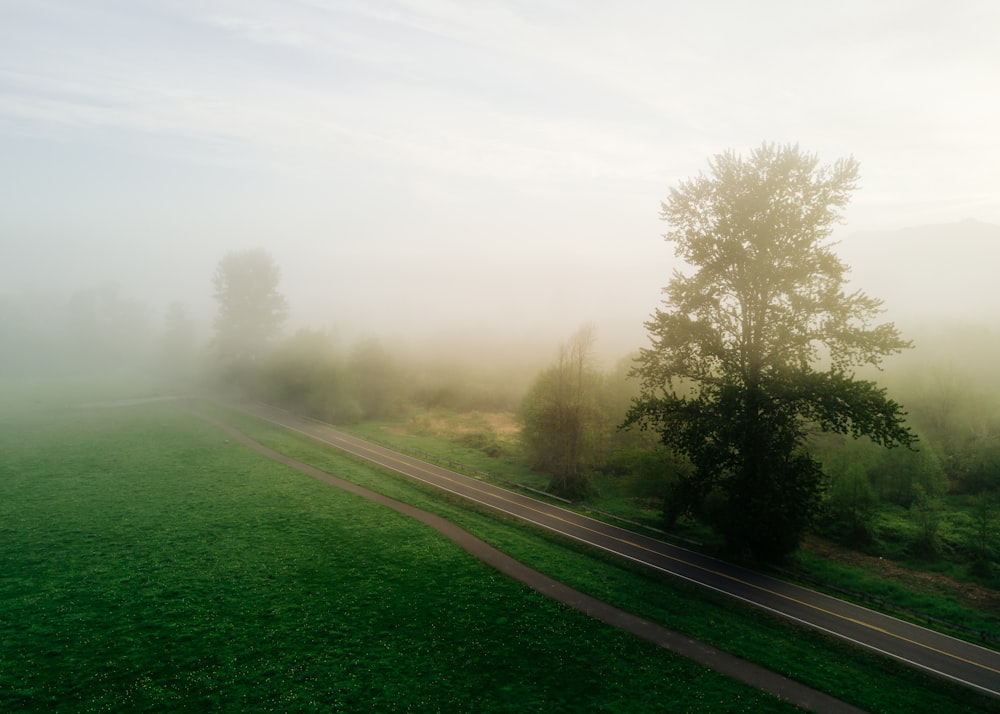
x=307, y=373
x=901, y=475
x=447, y=383
x=976, y=461
x=850, y=510
x=378, y=380
x=895, y=475
x=873, y=578
x=926, y=514
x=954, y=398
x=562, y=419
x=649, y=471
x=731, y=379
x=981, y=535
x=251, y=310
x=178, y=346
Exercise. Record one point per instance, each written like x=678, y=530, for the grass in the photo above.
x=872, y=683
x=957, y=539
x=146, y=564
x=462, y=452
x=456, y=449
x=928, y=604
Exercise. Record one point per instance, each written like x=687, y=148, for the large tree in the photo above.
x=251, y=309
x=757, y=344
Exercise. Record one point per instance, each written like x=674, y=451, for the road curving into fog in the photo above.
x=939, y=654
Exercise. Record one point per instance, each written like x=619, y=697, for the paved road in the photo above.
x=963, y=662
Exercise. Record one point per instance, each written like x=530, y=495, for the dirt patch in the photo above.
x=503, y=424
x=969, y=594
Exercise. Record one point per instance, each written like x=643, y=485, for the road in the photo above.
x=939, y=654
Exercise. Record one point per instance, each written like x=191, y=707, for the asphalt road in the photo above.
x=939, y=654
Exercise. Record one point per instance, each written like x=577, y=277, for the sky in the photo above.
x=445, y=167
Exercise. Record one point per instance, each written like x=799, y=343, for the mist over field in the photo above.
x=936, y=283
x=470, y=184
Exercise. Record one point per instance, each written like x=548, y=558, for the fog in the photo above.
x=467, y=183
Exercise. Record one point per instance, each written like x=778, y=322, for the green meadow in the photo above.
x=148, y=564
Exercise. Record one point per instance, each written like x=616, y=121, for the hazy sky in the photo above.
x=459, y=165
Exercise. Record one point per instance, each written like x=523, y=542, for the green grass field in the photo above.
x=870, y=682
x=146, y=564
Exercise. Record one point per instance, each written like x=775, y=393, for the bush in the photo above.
x=849, y=514
x=926, y=514
x=485, y=441
x=646, y=473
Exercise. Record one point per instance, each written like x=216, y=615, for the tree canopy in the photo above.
x=251, y=309
x=757, y=345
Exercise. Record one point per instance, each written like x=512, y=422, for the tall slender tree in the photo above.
x=251, y=309
x=757, y=345
x=560, y=415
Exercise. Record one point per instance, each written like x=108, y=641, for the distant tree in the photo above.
x=307, y=373
x=893, y=474
x=178, y=344
x=852, y=505
x=560, y=416
x=899, y=475
x=758, y=344
x=979, y=460
x=108, y=330
x=925, y=512
x=377, y=380
x=983, y=540
x=27, y=342
x=251, y=310
x=646, y=470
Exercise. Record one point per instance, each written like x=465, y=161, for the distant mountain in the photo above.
x=927, y=275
